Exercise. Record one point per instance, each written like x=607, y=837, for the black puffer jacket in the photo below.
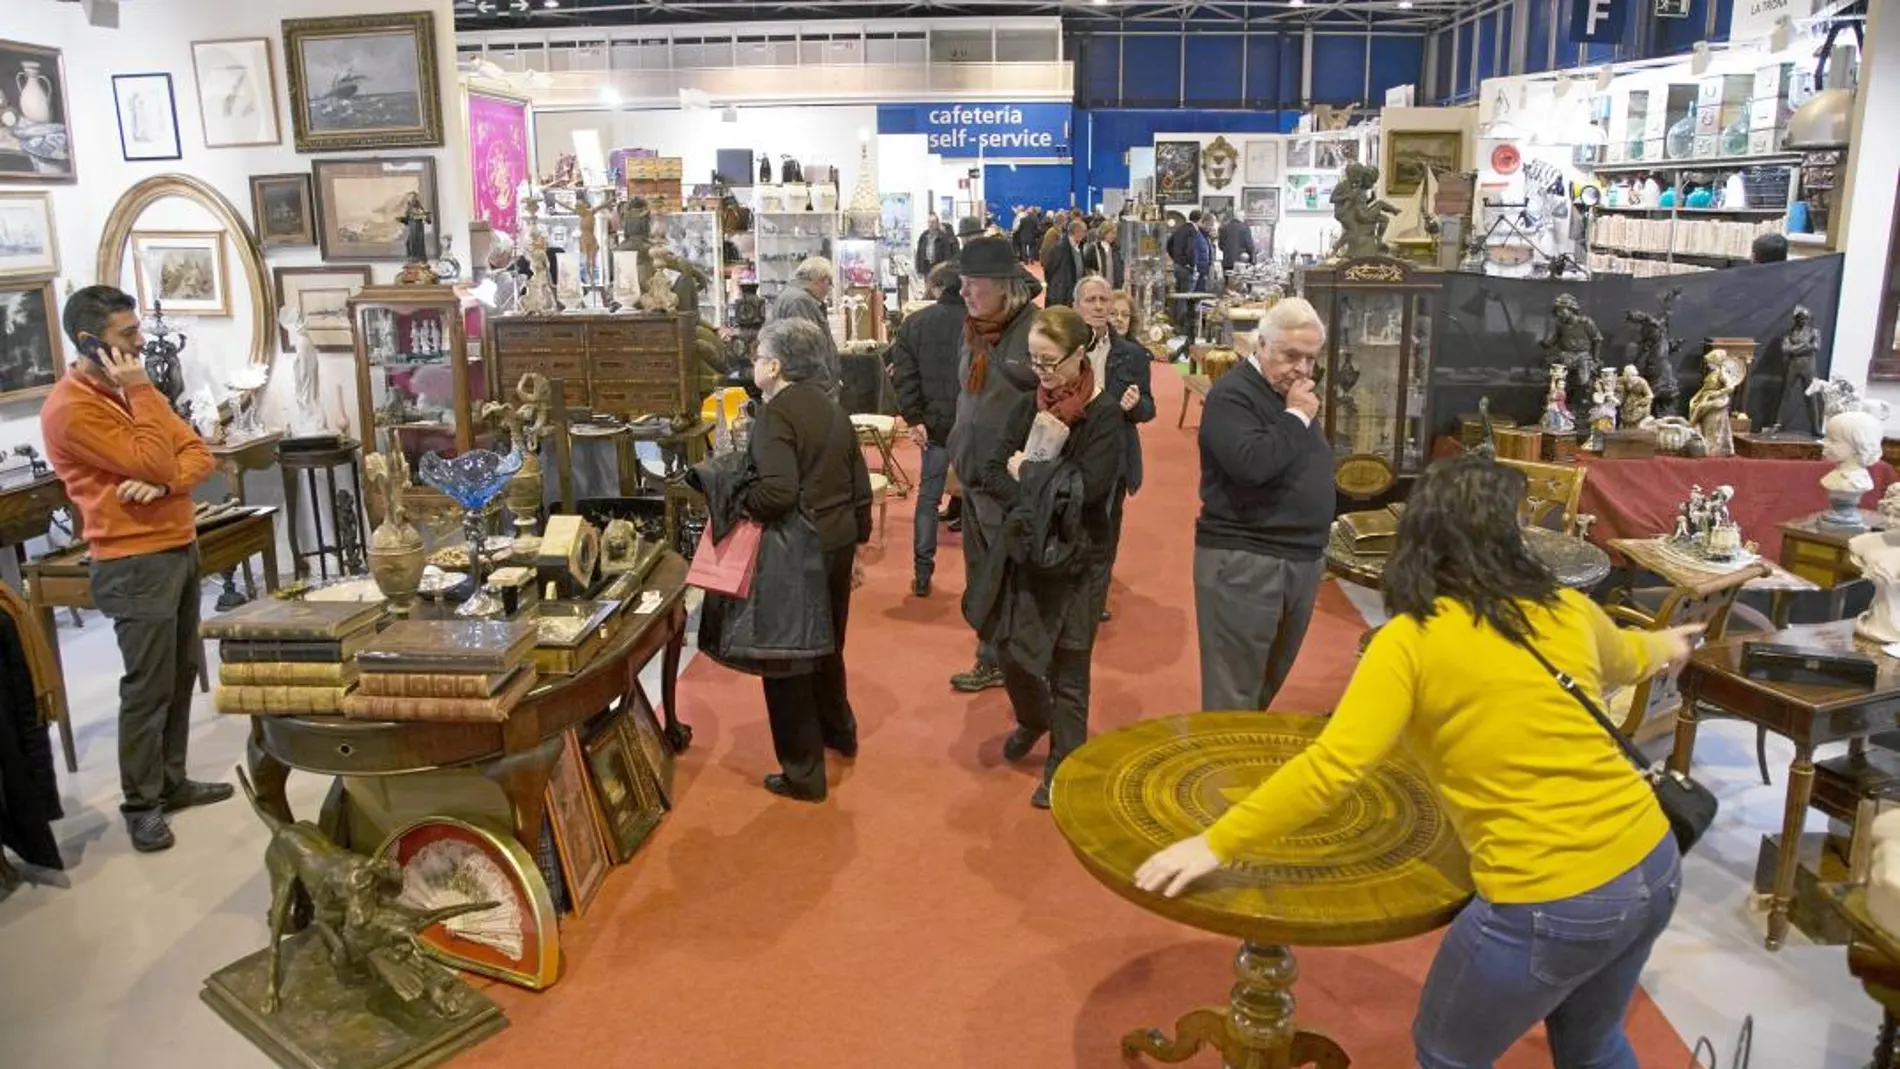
x=784, y=624
x=924, y=366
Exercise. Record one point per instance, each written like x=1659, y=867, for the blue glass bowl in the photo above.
x=474, y=478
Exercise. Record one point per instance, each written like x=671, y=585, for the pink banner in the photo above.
x=498, y=150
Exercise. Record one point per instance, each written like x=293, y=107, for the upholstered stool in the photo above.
x=880, y=487
x=881, y=431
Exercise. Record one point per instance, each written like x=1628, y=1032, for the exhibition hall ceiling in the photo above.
x=573, y=14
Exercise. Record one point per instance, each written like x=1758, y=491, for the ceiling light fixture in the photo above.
x=550, y=3
x=1405, y=5
x=610, y=97
x=1296, y=3
x=1099, y=3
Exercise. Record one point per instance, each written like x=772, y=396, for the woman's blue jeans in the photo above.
x=1572, y=964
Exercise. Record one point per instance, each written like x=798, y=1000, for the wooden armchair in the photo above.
x=1554, y=488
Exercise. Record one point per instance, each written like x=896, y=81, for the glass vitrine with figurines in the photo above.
x=694, y=238
x=784, y=239
x=415, y=385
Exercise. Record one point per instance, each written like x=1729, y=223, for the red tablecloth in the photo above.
x=1639, y=498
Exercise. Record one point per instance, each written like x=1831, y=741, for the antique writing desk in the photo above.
x=1818, y=553
x=1577, y=563
x=1384, y=865
x=65, y=579
x=518, y=754
x=234, y=459
x=1806, y=715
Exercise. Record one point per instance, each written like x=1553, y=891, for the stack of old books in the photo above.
x=289, y=657
x=444, y=670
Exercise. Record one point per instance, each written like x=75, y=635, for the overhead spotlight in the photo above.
x=1296, y=3
x=1405, y=5
x=550, y=3
x=1099, y=3
x=610, y=97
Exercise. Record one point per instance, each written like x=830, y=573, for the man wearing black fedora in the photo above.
x=993, y=366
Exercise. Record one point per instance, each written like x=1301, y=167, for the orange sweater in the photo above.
x=96, y=441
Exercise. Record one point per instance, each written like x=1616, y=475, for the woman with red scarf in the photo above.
x=1067, y=434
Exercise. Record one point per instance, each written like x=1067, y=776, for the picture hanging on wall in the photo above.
x=30, y=356
x=360, y=205
x=1410, y=153
x=36, y=145
x=1260, y=204
x=28, y=245
x=1177, y=172
x=1310, y=192
x=1263, y=162
x=148, y=117
x=184, y=269
x=237, y=92
x=1220, y=163
x=1321, y=153
x=1222, y=206
x=321, y=295
x=363, y=82
x=283, y=211
x=498, y=150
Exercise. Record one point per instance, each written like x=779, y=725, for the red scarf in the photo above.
x=981, y=335
x=1067, y=403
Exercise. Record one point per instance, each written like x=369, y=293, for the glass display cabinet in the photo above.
x=415, y=387
x=1375, y=375
x=786, y=238
x=694, y=237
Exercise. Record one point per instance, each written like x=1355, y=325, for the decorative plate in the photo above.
x=1505, y=159
x=444, y=862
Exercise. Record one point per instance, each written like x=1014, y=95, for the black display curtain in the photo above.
x=1488, y=330
x=29, y=792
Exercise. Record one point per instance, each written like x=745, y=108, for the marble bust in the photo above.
x=1853, y=443
x=1883, y=877
x=1877, y=553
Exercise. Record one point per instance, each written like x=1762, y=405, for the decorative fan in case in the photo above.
x=445, y=862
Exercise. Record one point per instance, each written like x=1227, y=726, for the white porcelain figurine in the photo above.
x=307, y=415
x=1883, y=877
x=1852, y=443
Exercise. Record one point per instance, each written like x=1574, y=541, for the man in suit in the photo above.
x=1181, y=246
x=1098, y=256
x=1062, y=265
x=1236, y=240
x=937, y=244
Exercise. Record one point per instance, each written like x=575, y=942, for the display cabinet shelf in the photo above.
x=416, y=386
x=1659, y=210
x=1702, y=163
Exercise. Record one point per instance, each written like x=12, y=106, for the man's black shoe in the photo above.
x=779, y=785
x=920, y=586
x=1020, y=742
x=149, y=831
x=955, y=525
x=1040, y=799
x=195, y=793
x=845, y=747
x=953, y=511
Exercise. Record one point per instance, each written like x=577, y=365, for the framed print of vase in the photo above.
x=447, y=862
x=237, y=92
x=359, y=205
x=31, y=358
x=28, y=246
x=148, y=117
x=361, y=82
x=498, y=154
x=185, y=270
x=1177, y=172
x=282, y=210
x=36, y=144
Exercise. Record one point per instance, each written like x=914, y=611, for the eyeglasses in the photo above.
x=1051, y=365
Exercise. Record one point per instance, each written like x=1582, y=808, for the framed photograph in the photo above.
x=182, y=269
x=1260, y=205
x=363, y=82
x=31, y=358
x=360, y=205
x=577, y=834
x=498, y=153
x=1224, y=205
x=37, y=146
x=629, y=806
x=321, y=295
x=148, y=117
x=1177, y=172
x=1410, y=153
x=283, y=210
x=237, y=92
x=1262, y=164
x=28, y=245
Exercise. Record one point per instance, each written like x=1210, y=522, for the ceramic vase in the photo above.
x=36, y=93
x=396, y=560
x=524, y=495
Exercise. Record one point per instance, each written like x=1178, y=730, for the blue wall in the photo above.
x=1254, y=71
x=1103, y=137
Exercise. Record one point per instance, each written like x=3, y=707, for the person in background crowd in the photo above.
x=1204, y=237
x=129, y=463
x=1042, y=622
x=1181, y=247
x=1121, y=316
x=1769, y=249
x=1098, y=256
x=1027, y=232
x=1576, y=869
x=1062, y=265
x=924, y=368
x=1053, y=234
x=1122, y=368
x=937, y=244
x=1236, y=240
x=994, y=373
x=1266, y=508
x=807, y=457
x=804, y=298
x=969, y=228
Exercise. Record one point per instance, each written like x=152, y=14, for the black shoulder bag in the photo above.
x=1688, y=805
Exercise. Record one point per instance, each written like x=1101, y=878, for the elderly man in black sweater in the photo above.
x=924, y=359
x=1266, y=508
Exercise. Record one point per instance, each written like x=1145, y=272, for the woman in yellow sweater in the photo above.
x=1575, y=867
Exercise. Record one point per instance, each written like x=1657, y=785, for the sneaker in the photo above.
x=194, y=793
x=920, y=585
x=1040, y=799
x=1020, y=742
x=150, y=833
x=981, y=677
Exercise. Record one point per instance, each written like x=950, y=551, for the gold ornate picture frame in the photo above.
x=363, y=82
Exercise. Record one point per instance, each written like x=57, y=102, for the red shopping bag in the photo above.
x=726, y=567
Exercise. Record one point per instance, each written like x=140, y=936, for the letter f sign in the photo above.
x=1597, y=21
x=1599, y=12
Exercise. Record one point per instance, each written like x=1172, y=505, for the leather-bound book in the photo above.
x=362, y=706
x=264, y=651
x=286, y=673
x=279, y=701
x=1375, y=531
x=449, y=646
x=270, y=618
x=431, y=684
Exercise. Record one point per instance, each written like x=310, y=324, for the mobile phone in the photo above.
x=92, y=348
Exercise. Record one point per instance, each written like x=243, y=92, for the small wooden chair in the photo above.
x=1553, y=488
x=880, y=432
x=880, y=497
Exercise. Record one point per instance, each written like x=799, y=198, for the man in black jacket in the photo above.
x=1062, y=264
x=1266, y=509
x=937, y=244
x=1181, y=253
x=924, y=367
x=1236, y=240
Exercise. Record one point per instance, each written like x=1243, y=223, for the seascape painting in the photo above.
x=360, y=205
x=30, y=357
x=363, y=82
x=37, y=146
x=28, y=246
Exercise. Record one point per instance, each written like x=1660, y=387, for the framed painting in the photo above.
x=1411, y=153
x=283, y=212
x=31, y=358
x=447, y=862
x=182, y=269
x=321, y=295
x=360, y=205
x=1310, y=192
x=1177, y=172
x=237, y=92
x=28, y=246
x=629, y=803
x=644, y=738
x=1262, y=164
x=1222, y=206
x=1261, y=204
x=577, y=830
x=498, y=152
x=148, y=117
x=363, y=82
x=37, y=146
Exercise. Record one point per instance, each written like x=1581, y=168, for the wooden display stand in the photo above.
x=624, y=365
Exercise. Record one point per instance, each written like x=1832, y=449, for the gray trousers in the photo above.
x=982, y=526
x=152, y=601
x=1251, y=610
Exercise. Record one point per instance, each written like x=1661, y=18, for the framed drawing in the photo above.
x=321, y=295
x=183, y=269
x=1260, y=205
x=1177, y=172
x=629, y=803
x=360, y=204
x=363, y=82
x=577, y=834
x=1262, y=165
x=1221, y=205
x=28, y=246
x=447, y=862
x=282, y=210
x=148, y=117
x=498, y=153
x=1410, y=153
x=37, y=146
x=31, y=358
x=237, y=92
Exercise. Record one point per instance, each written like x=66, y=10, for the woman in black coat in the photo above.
x=1042, y=619
x=807, y=457
x=1123, y=367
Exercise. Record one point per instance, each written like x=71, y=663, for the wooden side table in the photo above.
x=345, y=538
x=234, y=459
x=26, y=512
x=1818, y=553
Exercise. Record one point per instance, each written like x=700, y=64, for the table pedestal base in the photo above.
x=1256, y=1031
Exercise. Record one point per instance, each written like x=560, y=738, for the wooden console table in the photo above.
x=26, y=513
x=65, y=578
x=234, y=459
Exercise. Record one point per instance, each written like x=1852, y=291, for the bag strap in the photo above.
x=1570, y=685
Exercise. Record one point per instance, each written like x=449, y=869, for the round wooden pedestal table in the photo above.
x=1384, y=865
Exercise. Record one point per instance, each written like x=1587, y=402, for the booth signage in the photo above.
x=1750, y=19
x=984, y=131
x=1599, y=21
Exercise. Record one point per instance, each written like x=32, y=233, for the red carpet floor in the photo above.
x=926, y=916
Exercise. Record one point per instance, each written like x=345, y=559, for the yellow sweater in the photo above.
x=1544, y=802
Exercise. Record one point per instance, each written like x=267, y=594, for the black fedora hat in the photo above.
x=988, y=258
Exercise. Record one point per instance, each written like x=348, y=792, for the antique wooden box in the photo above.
x=1777, y=446
x=1559, y=448
x=625, y=365
x=1629, y=445
x=1518, y=443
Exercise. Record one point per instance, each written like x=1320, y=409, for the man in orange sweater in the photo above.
x=129, y=465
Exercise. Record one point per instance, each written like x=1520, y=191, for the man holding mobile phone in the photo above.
x=129, y=464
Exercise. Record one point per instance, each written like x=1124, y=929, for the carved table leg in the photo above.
x=1256, y=1031
x=1788, y=857
x=1684, y=752
x=523, y=777
x=231, y=597
x=1192, y=1032
x=268, y=776
x=679, y=736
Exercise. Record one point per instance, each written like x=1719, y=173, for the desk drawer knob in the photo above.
x=344, y=749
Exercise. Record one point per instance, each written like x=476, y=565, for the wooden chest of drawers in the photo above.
x=625, y=365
